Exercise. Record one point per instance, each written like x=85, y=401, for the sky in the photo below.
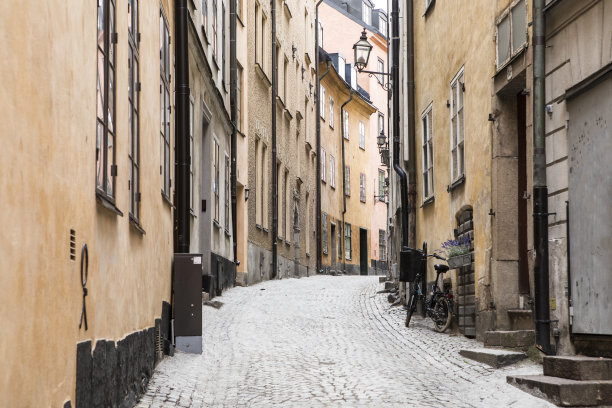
x=381, y=4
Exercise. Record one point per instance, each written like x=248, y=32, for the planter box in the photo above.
x=459, y=261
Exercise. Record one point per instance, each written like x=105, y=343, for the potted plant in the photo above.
x=456, y=252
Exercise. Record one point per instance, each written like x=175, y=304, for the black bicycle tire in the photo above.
x=441, y=328
x=411, y=308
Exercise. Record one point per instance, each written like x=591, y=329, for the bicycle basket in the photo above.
x=411, y=263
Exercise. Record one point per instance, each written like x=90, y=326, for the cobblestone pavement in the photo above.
x=327, y=341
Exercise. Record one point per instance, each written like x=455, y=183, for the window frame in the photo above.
x=332, y=171
x=382, y=245
x=347, y=180
x=106, y=187
x=348, y=250
x=458, y=85
x=381, y=185
x=366, y=13
x=227, y=193
x=381, y=68
x=204, y=14
x=323, y=162
x=215, y=26
x=362, y=135
x=239, y=96
x=134, y=108
x=427, y=151
x=324, y=232
x=362, y=187
x=345, y=125
x=165, y=131
x=322, y=99
x=191, y=153
x=512, y=53
x=331, y=112
x=216, y=181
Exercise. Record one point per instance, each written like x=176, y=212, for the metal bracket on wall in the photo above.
x=84, y=257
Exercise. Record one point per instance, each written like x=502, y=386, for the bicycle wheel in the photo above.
x=411, y=308
x=441, y=315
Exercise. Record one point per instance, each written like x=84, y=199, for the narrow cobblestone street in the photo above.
x=326, y=341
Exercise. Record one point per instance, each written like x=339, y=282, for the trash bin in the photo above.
x=411, y=262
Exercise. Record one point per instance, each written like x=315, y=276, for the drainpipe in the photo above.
x=182, y=126
x=234, y=116
x=396, y=131
x=344, y=171
x=274, y=172
x=540, y=190
x=411, y=209
x=318, y=137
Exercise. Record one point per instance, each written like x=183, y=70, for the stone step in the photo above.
x=467, y=289
x=578, y=368
x=564, y=392
x=496, y=358
x=521, y=319
x=469, y=331
x=515, y=339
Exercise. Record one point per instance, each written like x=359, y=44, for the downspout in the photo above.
x=344, y=170
x=234, y=116
x=318, y=137
x=274, y=172
x=540, y=189
x=182, y=126
x=412, y=193
x=396, y=131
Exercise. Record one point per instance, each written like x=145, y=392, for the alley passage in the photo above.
x=326, y=341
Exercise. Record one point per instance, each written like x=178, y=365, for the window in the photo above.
x=239, y=9
x=227, y=193
x=331, y=112
x=381, y=185
x=347, y=181
x=215, y=40
x=205, y=16
x=223, y=66
x=320, y=35
x=366, y=13
x=362, y=187
x=345, y=125
x=216, y=180
x=287, y=212
x=307, y=223
x=381, y=68
x=511, y=33
x=382, y=245
x=257, y=36
x=382, y=26
x=191, y=153
x=332, y=171
x=285, y=73
x=264, y=187
x=457, y=128
x=347, y=241
x=279, y=183
x=324, y=232
x=134, y=108
x=427, y=152
x=239, y=97
x=323, y=177
x=263, y=60
x=381, y=123
x=339, y=239
x=258, y=175
x=361, y=135
x=427, y=4
x=164, y=53
x=106, y=169
x=322, y=99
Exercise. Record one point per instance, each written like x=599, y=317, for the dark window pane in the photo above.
x=99, y=155
x=109, y=179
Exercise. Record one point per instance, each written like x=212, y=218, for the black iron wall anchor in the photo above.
x=84, y=257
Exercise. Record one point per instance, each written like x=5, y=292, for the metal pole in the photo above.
x=182, y=126
x=234, y=116
x=318, y=139
x=274, y=172
x=540, y=190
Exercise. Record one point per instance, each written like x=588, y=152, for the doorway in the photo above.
x=363, y=251
x=334, y=249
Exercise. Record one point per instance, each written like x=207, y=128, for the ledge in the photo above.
x=429, y=8
x=227, y=233
x=167, y=199
x=134, y=224
x=456, y=183
x=107, y=204
x=258, y=226
x=428, y=201
x=262, y=74
x=216, y=224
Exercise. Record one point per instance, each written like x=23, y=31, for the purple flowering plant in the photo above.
x=455, y=247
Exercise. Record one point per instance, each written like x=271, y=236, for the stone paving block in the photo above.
x=496, y=358
x=578, y=367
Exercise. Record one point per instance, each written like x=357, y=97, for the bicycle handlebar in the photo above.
x=437, y=257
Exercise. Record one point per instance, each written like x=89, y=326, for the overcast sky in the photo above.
x=381, y=4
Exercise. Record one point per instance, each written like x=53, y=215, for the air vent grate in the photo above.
x=72, y=245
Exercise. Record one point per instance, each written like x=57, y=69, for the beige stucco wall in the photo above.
x=340, y=33
x=357, y=212
x=295, y=127
x=48, y=181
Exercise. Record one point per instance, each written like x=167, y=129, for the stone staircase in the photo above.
x=521, y=335
x=570, y=381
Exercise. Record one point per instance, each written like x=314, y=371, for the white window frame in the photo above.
x=348, y=248
x=513, y=52
x=362, y=187
x=322, y=99
x=345, y=124
x=362, y=135
x=427, y=159
x=457, y=126
x=347, y=181
x=366, y=13
x=332, y=171
x=380, y=68
x=324, y=231
x=323, y=171
x=382, y=23
x=331, y=112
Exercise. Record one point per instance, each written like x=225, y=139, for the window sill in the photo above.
x=167, y=199
x=134, y=224
x=288, y=114
x=429, y=8
x=456, y=183
x=106, y=203
x=513, y=58
x=224, y=85
x=214, y=60
x=216, y=224
x=428, y=201
x=280, y=103
x=362, y=148
x=240, y=133
x=227, y=233
x=262, y=74
x=307, y=255
x=192, y=213
x=204, y=35
x=266, y=230
x=259, y=227
x=280, y=239
x=239, y=19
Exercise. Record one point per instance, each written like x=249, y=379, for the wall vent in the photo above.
x=72, y=245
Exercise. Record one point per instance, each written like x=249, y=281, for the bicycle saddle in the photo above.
x=441, y=268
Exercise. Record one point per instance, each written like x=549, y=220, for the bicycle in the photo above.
x=439, y=306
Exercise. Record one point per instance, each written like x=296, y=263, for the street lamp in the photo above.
x=362, y=49
x=381, y=139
